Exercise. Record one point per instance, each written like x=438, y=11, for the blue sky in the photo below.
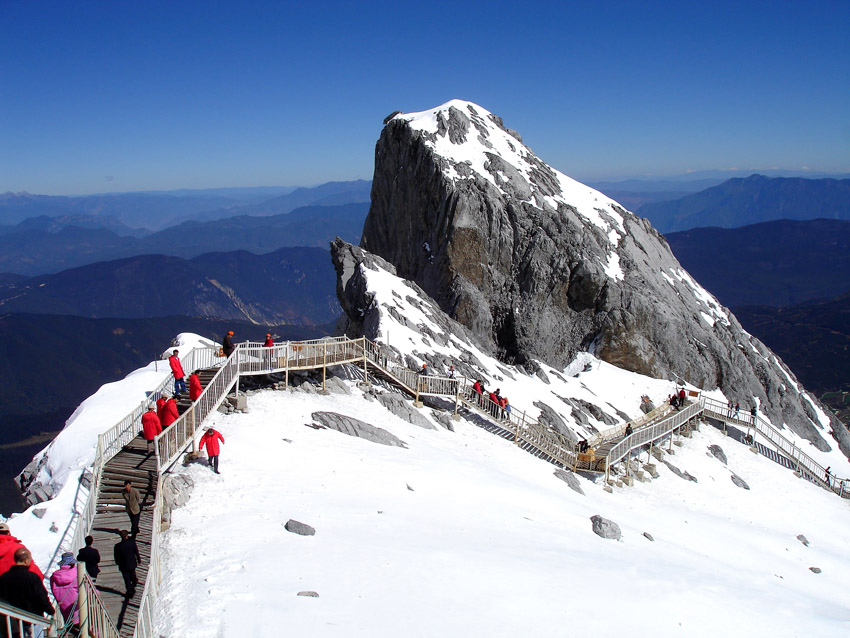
x=118, y=96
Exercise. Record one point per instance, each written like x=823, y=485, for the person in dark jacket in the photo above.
x=227, y=346
x=91, y=557
x=21, y=588
x=195, y=388
x=133, y=503
x=127, y=558
x=177, y=371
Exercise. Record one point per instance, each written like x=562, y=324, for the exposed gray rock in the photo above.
x=605, y=528
x=403, y=409
x=552, y=419
x=816, y=570
x=596, y=412
x=53, y=527
x=177, y=489
x=334, y=385
x=355, y=427
x=680, y=473
x=717, y=452
x=506, y=240
x=648, y=536
x=803, y=539
x=38, y=512
x=309, y=594
x=737, y=480
x=297, y=527
x=445, y=419
x=570, y=479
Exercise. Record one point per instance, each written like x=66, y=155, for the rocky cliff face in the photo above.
x=539, y=267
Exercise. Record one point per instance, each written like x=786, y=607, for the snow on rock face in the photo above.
x=539, y=268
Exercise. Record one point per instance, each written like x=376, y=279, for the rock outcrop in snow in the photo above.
x=538, y=267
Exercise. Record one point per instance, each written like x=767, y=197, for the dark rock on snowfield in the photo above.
x=570, y=479
x=803, y=539
x=605, y=528
x=355, y=427
x=539, y=267
x=297, y=527
x=718, y=453
x=737, y=480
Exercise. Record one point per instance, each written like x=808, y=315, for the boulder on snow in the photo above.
x=605, y=528
x=309, y=594
x=648, y=536
x=570, y=479
x=355, y=427
x=177, y=488
x=737, y=480
x=397, y=404
x=297, y=527
x=680, y=473
x=816, y=570
x=803, y=539
x=717, y=452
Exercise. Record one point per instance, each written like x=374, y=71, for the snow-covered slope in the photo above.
x=464, y=534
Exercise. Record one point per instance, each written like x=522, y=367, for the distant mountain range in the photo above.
x=287, y=286
x=155, y=210
x=35, y=251
x=751, y=200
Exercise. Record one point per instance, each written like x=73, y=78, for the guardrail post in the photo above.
x=365, y=370
x=82, y=601
x=324, y=363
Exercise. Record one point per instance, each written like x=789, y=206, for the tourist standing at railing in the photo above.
x=268, y=343
x=23, y=589
x=211, y=439
x=133, y=505
x=737, y=410
x=451, y=372
x=169, y=412
x=8, y=546
x=127, y=558
x=177, y=371
x=195, y=388
x=754, y=413
x=151, y=427
x=682, y=397
x=227, y=346
x=828, y=475
x=63, y=584
x=91, y=557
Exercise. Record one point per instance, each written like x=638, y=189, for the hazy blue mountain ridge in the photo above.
x=740, y=202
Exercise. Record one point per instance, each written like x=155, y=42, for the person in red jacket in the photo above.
x=211, y=439
x=169, y=412
x=195, y=388
x=177, y=371
x=160, y=406
x=269, y=343
x=151, y=426
x=8, y=546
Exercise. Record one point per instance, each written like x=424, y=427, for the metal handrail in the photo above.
x=14, y=619
x=805, y=463
x=619, y=430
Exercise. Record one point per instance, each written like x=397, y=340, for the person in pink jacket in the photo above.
x=151, y=427
x=211, y=439
x=63, y=584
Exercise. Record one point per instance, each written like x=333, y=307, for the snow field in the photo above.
x=489, y=542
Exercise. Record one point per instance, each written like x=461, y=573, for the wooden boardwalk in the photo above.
x=133, y=463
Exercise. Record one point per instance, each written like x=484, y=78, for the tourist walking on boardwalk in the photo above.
x=828, y=475
x=629, y=429
x=170, y=413
x=227, y=346
x=133, y=503
x=195, y=388
x=737, y=410
x=91, y=557
x=127, y=558
x=682, y=396
x=451, y=372
x=211, y=439
x=754, y=413
x=8, y=546
x=63, y=584
x=151, y=427
x=177, y=371
x=22, y=588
